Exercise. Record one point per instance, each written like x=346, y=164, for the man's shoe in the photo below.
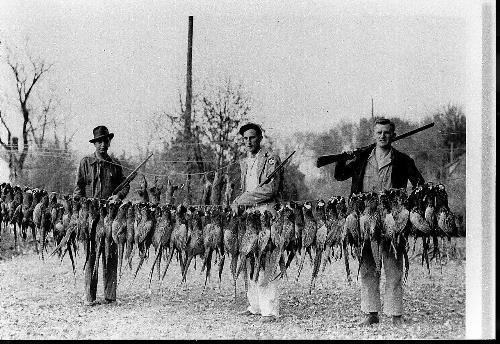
x=90, y=303
x=108, y=301
x=268, y=318
x=397, y=320
x=246, y=312
x=370, y=319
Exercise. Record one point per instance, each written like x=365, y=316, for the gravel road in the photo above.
x=43, y=300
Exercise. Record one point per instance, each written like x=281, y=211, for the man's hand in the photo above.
x=348, y=154
x=234, y=207
x=114, y=198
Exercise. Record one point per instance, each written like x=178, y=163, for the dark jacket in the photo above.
x=403, y=169
x=98, y=178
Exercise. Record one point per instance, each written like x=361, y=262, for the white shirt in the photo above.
x=252, y=176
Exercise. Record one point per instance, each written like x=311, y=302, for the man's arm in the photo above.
x=344, y=170
x=80, y=181
x=414, y=174
x=265, y=192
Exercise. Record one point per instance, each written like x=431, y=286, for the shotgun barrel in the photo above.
x=277, y=169
x=131, y=176
x=328, y=159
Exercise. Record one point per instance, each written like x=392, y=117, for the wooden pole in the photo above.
x=188, y=134
x=372, y=109
x=189, y=96
x=189, y=80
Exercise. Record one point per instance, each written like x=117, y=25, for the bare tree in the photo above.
x=159, y=126
x=217, y=112
x=224, y=108
x=53, y=169
x=450, y=120
x=43, y=120
x=27, y=76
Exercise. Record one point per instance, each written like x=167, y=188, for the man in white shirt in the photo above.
x=263, y=295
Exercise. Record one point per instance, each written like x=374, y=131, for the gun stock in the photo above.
x=327, y=159
x=330, y=159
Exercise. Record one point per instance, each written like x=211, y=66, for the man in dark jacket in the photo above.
x=378, y=169
x=98, y=175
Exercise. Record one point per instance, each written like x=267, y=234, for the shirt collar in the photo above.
x=250, y=157
x=95, y=159
x=386, y=160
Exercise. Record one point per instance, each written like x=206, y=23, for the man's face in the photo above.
x=383, y=135
x=251, y=140
x=102, y=145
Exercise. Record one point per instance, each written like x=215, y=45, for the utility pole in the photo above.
x=189, y=83
x=372, y=110
x=188, y=134
x=193, y=151
x=187, y=114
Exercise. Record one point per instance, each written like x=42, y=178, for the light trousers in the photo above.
x=263, y=295
x=370, y=282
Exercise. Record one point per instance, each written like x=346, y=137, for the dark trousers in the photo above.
x=110, y=273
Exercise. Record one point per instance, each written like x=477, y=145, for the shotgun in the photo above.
x=328, y=159
x=130, y=177
x=276, y=170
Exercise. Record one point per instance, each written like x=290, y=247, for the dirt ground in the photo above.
x=43, y=300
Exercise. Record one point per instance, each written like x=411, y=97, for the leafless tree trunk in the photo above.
x=27, y=76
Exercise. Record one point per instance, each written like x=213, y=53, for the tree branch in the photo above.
x=33, y=134
x=39, y=71
x=4, y=145
x=24, y=90
x=5, y=125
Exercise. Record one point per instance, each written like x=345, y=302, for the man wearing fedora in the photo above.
x=98, y=176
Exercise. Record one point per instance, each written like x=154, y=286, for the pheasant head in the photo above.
x=371, y=202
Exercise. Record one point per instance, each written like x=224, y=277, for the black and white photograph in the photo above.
x=247, y=170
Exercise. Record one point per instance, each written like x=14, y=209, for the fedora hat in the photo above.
x=101, y=132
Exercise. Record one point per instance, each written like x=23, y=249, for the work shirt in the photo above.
x=378, y=173
x=264, y=164
x=403, y=170
x=99, y=178
x=252, y=175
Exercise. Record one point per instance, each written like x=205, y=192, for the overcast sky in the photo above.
x=307, y=66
